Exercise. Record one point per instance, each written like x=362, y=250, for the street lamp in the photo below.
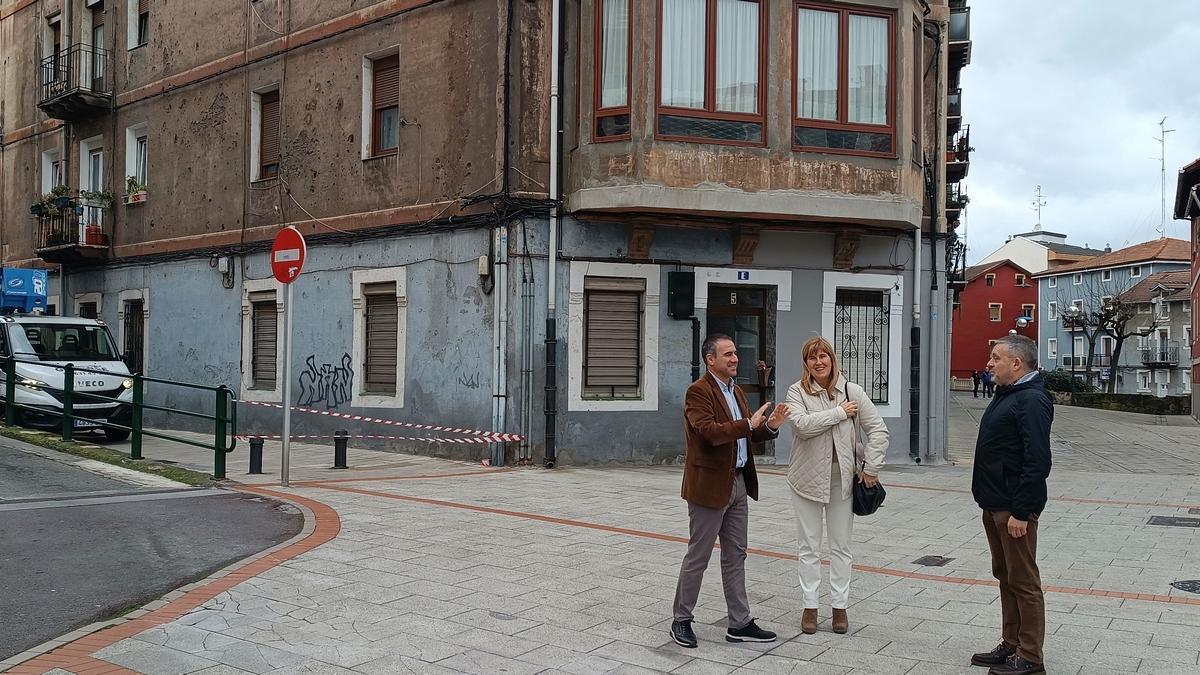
x=1022, y=322
x=1070, y=318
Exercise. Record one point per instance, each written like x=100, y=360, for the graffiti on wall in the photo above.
x=327, y=383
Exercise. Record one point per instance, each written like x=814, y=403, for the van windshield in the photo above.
x=62, y=342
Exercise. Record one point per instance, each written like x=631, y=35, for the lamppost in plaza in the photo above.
x=1070, y=320
x=1022, y=322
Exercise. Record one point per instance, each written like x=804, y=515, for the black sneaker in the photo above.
x=681, y=633
x=1015, y=665
x=749, y=633
x=993, y=658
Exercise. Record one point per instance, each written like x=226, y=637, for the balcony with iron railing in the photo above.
x=1162, y=355
x=956, y=200
x=954, y=111
x=960, y=35
x=70, y=230
x=958, y=155
x=75, y=82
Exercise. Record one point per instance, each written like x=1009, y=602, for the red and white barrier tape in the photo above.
x=489, y=436
x=475, y=439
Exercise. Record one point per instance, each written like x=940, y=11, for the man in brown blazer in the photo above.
x=718, y=476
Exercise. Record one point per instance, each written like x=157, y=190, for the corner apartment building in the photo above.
x=1074, y=301
x=1187, y=207
x=519, y=215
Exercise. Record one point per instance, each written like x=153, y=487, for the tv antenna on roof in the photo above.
x=1038, y=203
x=1162, y=159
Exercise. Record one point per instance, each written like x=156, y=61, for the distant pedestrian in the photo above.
x=976, y=378
x=989, y=382
x=718, y=476
x=1012, y=461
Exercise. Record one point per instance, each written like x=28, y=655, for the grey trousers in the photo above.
x=730, y=524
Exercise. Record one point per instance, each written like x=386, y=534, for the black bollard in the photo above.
x=340, y=439
x=256, y=444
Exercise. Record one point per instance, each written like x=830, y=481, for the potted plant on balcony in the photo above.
x=99, y=201
x=135, y=190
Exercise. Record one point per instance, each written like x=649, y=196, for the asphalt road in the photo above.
x=76, y=547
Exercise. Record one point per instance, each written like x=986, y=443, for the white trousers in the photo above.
x=838, y=517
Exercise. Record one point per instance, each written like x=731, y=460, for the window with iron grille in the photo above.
x=381, y=319
x=88, y=310
x=135, y=335
x=861, y=324
x=264, y=337
x=385, y=105
x=612, y=344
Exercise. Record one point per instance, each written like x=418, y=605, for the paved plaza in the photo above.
x=410, y=564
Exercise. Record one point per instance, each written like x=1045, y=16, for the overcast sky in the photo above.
x=1068, y=94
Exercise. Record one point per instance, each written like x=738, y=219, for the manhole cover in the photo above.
x=932, y=561
x=502, y=616
x=1191, y=586
x=1174, y=521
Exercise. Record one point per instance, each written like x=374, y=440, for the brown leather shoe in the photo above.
x=808, y=623
x=841, y=622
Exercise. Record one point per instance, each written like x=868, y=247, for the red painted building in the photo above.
x=1187, y=207
x=996, y=295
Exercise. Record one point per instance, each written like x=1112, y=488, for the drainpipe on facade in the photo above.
x=914, y=347
x=556, y=20
x=500, y=339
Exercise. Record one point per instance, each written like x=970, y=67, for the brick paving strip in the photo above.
x=964, y=581
x=73, y=655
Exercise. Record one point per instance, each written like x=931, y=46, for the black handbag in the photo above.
x=865, y=500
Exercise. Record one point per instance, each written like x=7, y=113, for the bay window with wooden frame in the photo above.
x=845, y=80
x=612, y=70
x=711, y=70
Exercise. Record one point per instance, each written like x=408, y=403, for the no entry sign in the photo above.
x=288, y=254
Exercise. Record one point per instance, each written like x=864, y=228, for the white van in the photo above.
x=43, y=345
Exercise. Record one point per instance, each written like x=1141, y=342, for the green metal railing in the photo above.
x=224, y=417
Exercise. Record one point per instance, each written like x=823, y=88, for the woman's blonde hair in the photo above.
x=812, y=346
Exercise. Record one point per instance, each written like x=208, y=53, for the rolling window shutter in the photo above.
x=381, y=322
x=386, y=87
x=269, y=129
x=143, y=6
x=97, y=15
x=613, y=336
x=264, y=340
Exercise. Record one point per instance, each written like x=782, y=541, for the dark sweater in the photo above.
x=1012, y=455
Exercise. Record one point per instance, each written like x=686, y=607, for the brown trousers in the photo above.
x=1014, y=564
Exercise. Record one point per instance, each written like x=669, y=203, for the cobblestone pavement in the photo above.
x=1086, y=439
x=573, y=571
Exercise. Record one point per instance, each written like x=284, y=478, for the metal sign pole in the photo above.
x=287, y=386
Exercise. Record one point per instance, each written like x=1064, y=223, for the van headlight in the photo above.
x=127, y=383
x=31, y=383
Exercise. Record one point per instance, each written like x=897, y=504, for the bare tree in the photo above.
x=1118, y=319
x=1102, y=312
x=1080, y=309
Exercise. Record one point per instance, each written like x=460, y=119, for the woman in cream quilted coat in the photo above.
x=827, y=412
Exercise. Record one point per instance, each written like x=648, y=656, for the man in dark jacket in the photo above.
x=1012, y=461
x=976, y=378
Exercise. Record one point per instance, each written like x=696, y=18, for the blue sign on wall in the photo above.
x=24, y=289
x=743, y=276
